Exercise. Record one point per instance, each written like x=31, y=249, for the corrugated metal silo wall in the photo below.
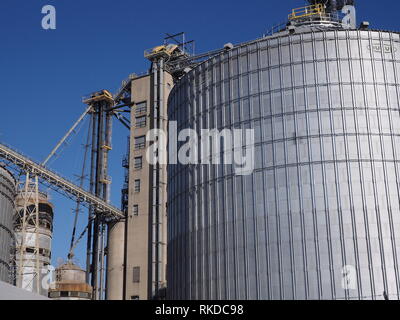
x=319, y=218
x=7, y=197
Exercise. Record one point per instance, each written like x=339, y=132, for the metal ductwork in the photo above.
x=332, y=6
x=341, y=3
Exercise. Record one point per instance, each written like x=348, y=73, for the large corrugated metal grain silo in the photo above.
x=7, y=209
x=319, y=217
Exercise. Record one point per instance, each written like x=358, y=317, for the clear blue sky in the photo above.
x=98, y=43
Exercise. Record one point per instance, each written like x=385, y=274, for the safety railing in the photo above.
x=56, y=181
x=304, y=12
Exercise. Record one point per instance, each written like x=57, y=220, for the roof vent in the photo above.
x=228, y=46
x=291, y=29
x=364, y=25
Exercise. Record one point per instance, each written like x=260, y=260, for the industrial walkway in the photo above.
x=53, y=180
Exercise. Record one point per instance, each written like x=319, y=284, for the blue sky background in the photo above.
x=97, y=44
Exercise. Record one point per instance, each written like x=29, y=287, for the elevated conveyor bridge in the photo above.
x=23, y=164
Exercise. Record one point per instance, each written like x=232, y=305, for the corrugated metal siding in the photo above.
x=7, y=197
x=325, y=192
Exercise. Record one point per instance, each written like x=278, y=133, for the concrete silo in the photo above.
x=319, y=217
x=70, y=284
x=33, y=227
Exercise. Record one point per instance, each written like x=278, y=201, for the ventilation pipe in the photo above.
x=333, y=5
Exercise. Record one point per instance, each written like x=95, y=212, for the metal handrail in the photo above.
x=303, y=12
x=326, y=19
x=24, y=164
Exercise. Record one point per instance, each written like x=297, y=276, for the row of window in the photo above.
x=140, y=143
x=70, y=294
x=141, y=117
x=137, y=184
